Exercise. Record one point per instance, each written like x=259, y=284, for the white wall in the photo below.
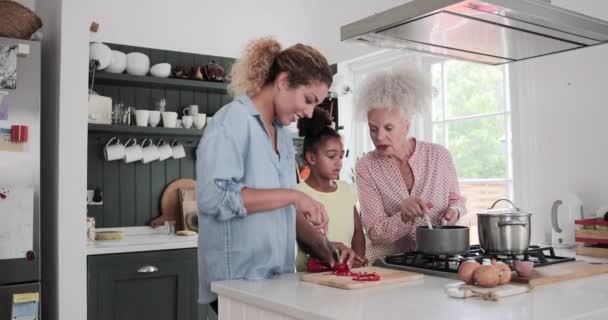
x=559, y=115
x=223, y=27
x=29, y=3
x=64, y=158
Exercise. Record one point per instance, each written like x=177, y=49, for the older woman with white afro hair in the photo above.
x=403, y=179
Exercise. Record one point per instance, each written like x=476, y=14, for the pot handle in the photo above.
x=512, y=223
x=507, y=200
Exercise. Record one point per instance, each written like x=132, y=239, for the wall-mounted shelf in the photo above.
x=148, y=131
x=124, y=79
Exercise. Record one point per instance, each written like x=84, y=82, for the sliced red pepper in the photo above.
x=365, y=276
x=314, y=265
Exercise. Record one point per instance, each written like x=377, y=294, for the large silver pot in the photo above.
x=442, y=240
x=504, y=231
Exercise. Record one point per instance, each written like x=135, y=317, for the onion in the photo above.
x=466, y=270
x=486, y=276
x=504, y=272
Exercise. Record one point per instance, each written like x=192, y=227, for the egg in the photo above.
x=486, y=276
x=466, y=270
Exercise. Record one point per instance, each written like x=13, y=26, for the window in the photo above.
x=471, y=117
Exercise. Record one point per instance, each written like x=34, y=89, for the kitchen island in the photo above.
x=286, y=297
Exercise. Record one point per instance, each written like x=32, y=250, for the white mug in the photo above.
x=178, y=150
x=169, y=119
x=154, y=118
x=200, y=120
x=114, y=151
x=187, y=121
x=149, y=152
x=190, y=110
x=141, y=117
x=132, y=151
x=164, y=150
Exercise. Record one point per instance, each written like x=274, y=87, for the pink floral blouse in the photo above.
x=382, y=190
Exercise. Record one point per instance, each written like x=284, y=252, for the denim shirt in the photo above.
x=236, y=152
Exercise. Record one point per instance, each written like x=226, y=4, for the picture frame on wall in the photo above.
x=8, y=67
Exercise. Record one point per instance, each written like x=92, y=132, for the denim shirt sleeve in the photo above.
x=220, y=171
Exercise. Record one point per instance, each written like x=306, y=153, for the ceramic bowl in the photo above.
x=102, y=53
x=119, y=62
x=161, y=70
x=138, y=64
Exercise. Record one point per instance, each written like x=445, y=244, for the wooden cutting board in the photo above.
x=387, y=276
x=562, y=272
x=463, y=291
x=169, y=201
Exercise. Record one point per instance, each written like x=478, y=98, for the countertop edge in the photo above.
x=297, y=313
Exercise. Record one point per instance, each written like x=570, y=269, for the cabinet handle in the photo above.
x=147, y=269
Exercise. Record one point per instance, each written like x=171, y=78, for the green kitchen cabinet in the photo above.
x=155, y=285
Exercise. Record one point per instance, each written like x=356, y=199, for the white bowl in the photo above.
x=161, y=70
x=102, y=53
x=138, y=64
x=119, y=62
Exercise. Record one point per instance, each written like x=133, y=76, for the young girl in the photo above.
x=245, y=166
x=323, y=152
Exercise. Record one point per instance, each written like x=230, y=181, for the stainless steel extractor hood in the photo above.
x=490, y=32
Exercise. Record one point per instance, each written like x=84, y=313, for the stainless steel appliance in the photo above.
x=20, y=187
x=447, y=266
x=491, y=32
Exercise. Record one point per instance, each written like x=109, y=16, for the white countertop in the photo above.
x=139, y=239
x=425, y=299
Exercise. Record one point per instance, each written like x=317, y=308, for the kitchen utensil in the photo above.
x=161, y=70
x=504, y=231
x=563, y=214
x=133, y=151
x=101, y=53
x=169, y=201
x=164, y=150
x=138, y=64
x=188, y=209
x=463, y=291
x=142, y=117
x=118, y=64
x=169, y=119
x=200, y=119
x=330, y=247
x=154, y=118
x=387, y=276
x=191, y=110
x=149, y=152
x=178, y=150
x=442, y=240
x=213, y=72
x=561, y=272
x=429, y=224
x=114, y=150
x=187, y=121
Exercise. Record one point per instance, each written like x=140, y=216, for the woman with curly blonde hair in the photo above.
x=246, y=167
